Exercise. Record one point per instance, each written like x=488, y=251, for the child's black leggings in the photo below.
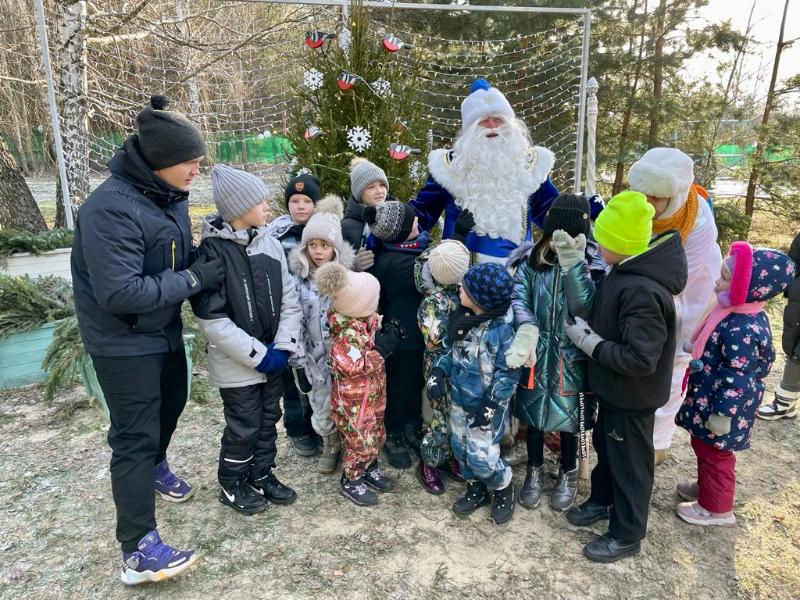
x=569, y=449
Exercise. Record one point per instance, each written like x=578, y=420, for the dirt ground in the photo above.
x=57, y=527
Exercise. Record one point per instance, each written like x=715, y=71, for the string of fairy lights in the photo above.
x=245, y=95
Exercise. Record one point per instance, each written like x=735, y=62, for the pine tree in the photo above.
x=382, y=103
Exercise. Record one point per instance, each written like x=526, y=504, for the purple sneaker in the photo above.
x=154, y=561
x=169, y=486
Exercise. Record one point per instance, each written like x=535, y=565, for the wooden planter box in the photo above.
x=53, y=262
x=21, y=356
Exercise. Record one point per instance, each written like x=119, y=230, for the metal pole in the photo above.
x=587, y=25
x=591, y=130
x=54, y=122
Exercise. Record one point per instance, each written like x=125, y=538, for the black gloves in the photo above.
x=436, y=388
x=301, y=381
x=482, y=419
x=205, y=274
x=389, y=337
x=463, y=225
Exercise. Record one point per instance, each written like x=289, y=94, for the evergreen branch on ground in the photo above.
x=64, y=358
x=27, y=303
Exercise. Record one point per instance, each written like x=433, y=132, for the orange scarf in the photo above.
x=683, y=220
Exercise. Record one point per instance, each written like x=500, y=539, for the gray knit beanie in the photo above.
x=235, y=192
x=362, y=173
x=390, y=221
x=167, y=138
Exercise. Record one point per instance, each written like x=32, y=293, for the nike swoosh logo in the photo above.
x=177, y=562
x=230, y=497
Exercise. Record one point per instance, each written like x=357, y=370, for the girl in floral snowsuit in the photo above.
x=358, y=397
x=732, y=353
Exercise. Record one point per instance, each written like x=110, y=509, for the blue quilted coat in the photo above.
x=737, y=357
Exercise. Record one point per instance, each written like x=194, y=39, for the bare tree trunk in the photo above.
x=18, y=209
x=758, y=158
x=72, y=88
x=191, y=84
x=23, y=160
x=626, y=118
x=658, y=76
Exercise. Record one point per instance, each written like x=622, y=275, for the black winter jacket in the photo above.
x=400, y=298
x=634, y=313
x=132, y=238
x=790, y=339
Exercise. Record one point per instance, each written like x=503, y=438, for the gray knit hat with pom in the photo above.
x=235, y=192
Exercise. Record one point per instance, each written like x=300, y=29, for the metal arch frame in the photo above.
x=587, y=25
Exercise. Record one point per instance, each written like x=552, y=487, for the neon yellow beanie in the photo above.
x=625, y=225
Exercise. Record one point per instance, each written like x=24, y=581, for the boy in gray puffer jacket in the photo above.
x=321, y=242
x=252, y=324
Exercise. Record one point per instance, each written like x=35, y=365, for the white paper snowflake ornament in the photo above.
x=359, y=138
x=383, y=89
x=312, y=79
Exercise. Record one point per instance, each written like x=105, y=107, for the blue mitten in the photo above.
x=274, y=360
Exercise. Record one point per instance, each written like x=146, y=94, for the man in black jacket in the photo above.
x=631, y=336
x=131, y=270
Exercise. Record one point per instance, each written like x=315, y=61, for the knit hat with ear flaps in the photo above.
x=167, y=138
x=663, y=173
x=235, y=192
x=304, y=183
x=570, y=213
x=484, y=101
x=488, y=285
x=354, y=294
x=448, y=261
x=390, y=221
x=626, y=224
x=362, y=173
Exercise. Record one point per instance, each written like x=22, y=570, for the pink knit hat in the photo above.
x=354, y=294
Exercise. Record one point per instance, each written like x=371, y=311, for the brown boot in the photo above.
x=661, y=456
x=331, y=449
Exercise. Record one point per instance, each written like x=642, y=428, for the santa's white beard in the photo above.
x=493, y=179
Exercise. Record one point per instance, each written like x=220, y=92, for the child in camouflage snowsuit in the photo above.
x=479, y=333
x=358, y=397
x=438, y=272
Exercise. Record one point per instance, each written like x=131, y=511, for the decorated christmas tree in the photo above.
x=356, y=99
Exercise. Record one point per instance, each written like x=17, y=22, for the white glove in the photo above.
x=718, y=424
x=570, y=251
x=582, y=335
x=364, y=260
x=523, y=349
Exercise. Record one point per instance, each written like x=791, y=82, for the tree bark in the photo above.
x=658, y=76
x=18, y=209
x=72, y=89
x=758, y=158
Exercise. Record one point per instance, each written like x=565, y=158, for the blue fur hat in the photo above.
x=488, y=285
